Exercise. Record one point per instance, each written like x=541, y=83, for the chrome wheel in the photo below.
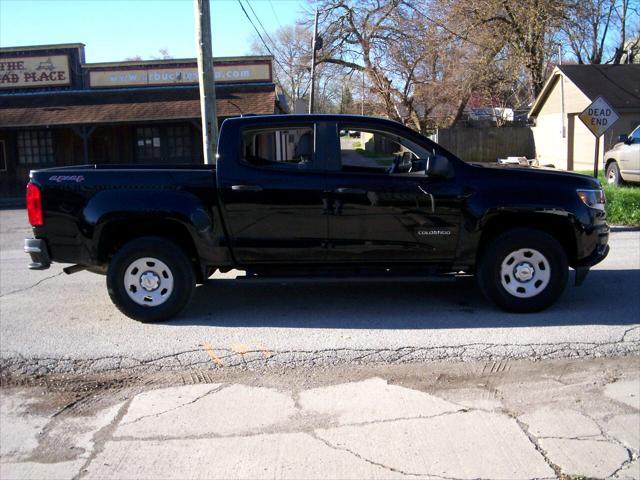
x=525, y=273
x=148, y=282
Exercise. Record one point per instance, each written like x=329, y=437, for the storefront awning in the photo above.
x=229, y=104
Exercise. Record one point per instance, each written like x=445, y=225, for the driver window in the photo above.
x=385, y=153
x=289, y=148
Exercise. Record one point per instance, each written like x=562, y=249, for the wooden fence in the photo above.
x=487, y=144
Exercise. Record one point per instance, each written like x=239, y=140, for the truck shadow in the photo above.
x=608, y=297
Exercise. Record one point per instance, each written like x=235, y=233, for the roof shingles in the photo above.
x=258, y=101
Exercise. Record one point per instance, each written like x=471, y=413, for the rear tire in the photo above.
x=523, y=270
x=613, y=174
x=150, y=279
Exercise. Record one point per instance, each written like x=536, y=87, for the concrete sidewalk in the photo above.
x=584, y=423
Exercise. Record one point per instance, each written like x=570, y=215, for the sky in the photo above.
x=113, y=30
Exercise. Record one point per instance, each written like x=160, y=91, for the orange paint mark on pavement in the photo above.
x=209, y=349
x=240, y=348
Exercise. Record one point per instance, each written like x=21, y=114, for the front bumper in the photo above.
x=39, y=253
x=583, y=266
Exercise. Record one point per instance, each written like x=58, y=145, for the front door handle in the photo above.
x=246, y=188
x=433, y=202
x=352, y=191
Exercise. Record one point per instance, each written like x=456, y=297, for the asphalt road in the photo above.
x=53, y=322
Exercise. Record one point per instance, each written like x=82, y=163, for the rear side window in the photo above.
x=288, y=148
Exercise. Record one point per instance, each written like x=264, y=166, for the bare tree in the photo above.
x=423, y=60
x=627, y=23
x=530, y=28
x=164, y=54
x=292, y=57
x=356, y=37
x=602, y=31
x=420, y=70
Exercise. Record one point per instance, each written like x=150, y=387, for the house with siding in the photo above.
x=561, y=139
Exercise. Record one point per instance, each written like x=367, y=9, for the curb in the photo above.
x=624, y=228
x=12, y=202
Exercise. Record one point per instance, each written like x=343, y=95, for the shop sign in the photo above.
x=25, y=72
x=177, y=76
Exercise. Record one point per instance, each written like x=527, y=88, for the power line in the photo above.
x=275, y=14
x=275, y=47
x=260, y=36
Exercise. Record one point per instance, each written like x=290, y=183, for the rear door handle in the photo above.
x=246, y=188
x=353, y=191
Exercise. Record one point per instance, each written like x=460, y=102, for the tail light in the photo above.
x=34, y=205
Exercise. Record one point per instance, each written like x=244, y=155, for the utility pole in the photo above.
x=564, y=131
x=313, y=64
x=559, y=54
x=362, y=103
x=206, y=80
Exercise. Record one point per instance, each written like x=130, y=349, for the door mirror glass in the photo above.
x=623, y=138
x=439, y=166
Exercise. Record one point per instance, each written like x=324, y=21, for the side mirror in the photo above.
x=623, y=138
x=439, y=166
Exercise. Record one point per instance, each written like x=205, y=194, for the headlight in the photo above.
x=593, y=198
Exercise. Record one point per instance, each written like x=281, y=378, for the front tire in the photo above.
x=613, y=174
x=150, y=279
x=523, y=270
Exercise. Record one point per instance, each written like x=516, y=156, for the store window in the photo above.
x=35, y=147
x=164, y=144
x=148, y=145
x=179, y=143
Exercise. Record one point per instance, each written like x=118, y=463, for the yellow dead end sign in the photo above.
x=598, y=118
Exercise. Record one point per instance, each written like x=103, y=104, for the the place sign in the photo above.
x=45, y=71
x=599, y=116
x=239, y=73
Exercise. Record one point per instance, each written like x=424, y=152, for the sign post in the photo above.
x=598, y=117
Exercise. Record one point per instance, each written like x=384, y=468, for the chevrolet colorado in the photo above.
x=301, y=195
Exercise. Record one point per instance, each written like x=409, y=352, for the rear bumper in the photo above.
x=39, y=252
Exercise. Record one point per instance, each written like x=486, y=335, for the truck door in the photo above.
x=384, y=208
x=272, y=196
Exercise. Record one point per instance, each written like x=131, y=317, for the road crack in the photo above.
x=199, y=397
x=382, y=465
x=39, y=282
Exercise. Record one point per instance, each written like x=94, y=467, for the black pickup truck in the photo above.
x=317, y=195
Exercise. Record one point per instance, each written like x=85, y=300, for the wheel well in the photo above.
x=116, y=233
x=558, y=227
x=608, y=161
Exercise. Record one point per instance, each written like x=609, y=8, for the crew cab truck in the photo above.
x=298, y=195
